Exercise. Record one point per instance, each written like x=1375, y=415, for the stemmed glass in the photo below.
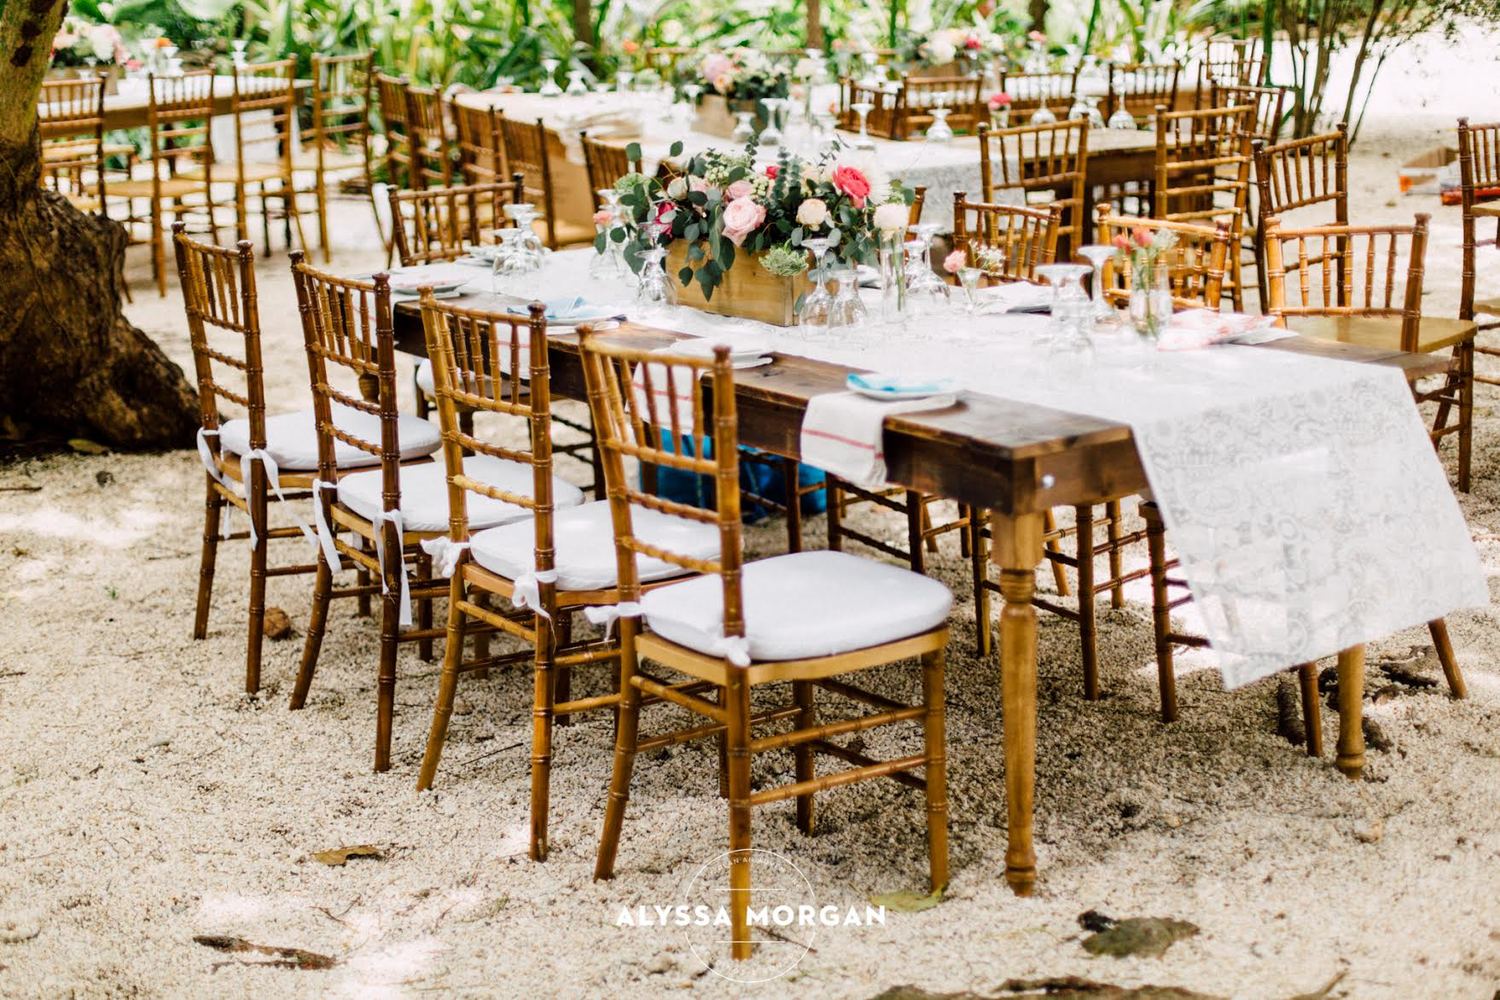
x=1043, y=115
x=940, y=130
x=872, y=62
x=926, y=292
x=1122, y=119
x=863, y=140
x=623, y=79
x=239, y=45
x=656, y=293
x=549, y=86
x=771, y=134
x=848, y=311
x=523, y=215
x=744, y=128
x=919, y=262
x=818, y=303
x=576, y=85
x=1099, y=254
x=512, y=270
x=692, y=91
x=968, y=280
x=1068, y=333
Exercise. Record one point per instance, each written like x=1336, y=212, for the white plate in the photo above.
x=932, y=387
x=438, y=292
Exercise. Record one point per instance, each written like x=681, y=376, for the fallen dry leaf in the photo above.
x=339, y=856
x=1146, y=936
x=290, y=958
x=906, y=901
x=277, y=624
x=84, y=446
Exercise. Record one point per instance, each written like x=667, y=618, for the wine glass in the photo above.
x=848, y=311
x=919, y=262
x=692, y=91
x=872, y=62
x=656, y=293
x=1121, y=119
x=549, y=71
x=1068, y=333
x=968, y=280
x=813, y=313
x=926, y=293
x=744, y=128
x=1043, y=115
x=512, y=272
x=863, y=109
x=940, y=130
x=771, y=134
x=576, y=85
x=239, y=45
x=623, y=79
x=1099, y=254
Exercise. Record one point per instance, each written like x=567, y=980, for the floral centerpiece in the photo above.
x=1140, y=253
x=953, y=51
x=737, y=80
x=723, y=214
x=82, y=43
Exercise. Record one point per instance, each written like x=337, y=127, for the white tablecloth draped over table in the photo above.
x=1301, y=493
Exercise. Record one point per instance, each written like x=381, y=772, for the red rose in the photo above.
x=852, y=182
x=971, y=43
x=772, y=170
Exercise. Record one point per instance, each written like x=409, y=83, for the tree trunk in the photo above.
x=814, y=39
x=71, y=365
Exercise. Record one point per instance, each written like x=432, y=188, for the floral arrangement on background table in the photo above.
x=742, y=74
x=82, y=43
x=723, y=209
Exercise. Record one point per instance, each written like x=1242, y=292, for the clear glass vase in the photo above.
x=1150, y=301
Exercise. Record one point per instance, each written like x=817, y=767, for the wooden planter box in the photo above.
x=715, y=115
x=748, y=290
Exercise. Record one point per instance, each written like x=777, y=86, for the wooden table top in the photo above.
x=127, y=109
x=1001, y=454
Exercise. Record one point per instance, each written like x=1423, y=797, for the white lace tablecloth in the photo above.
x=1302, y=494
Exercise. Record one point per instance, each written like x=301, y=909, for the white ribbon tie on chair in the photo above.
x=527, y=592
x=393, y=516
x=608, y=614
x=325, y=534
x=734, y=648
x=445, y=554
x=273, y=477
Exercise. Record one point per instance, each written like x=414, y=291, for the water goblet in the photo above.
x=1043, y=115
x=1099, y=254
x=576, y=86
x=940, y=130
x=1121, y=119
x=863, y=140
x=655, y=294
x=771, y=134
x=927, y=294
x=848, y=311
x=239, y=45
x=549, y=84
x=623, y=79
x=1068, y=333
x=744, y=128
x=813, y=313
x=968, y=280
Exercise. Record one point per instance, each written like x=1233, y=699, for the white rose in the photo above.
x=891, y=216
x=940, y=51
x=677, y=188
x=103, y=43
x=812, y=213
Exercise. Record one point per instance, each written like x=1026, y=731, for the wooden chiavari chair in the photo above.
x=427, y=131
x=1045, y=164
x=340, y=140
x=481, y=153
x=804, y=618
x=1352, y=279
x=1299, y=174
x=70, y=123
x=919, y=95
x=551, y=564
x=1030, y=92
x=1007, y=241
x=390, y=510
x=266, y=94
x=1269, y=104
x=1196, y=264
x=1139, y=88
x=1479, y=169
x=881, y=119
x=1229, y=61
x=439, y=224
x=245, y=459
x=391, y=94
x=179, y=114
x=605, y=162
x=527, y=150
x=1203, y=175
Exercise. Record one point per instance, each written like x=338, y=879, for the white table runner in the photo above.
x=1302, y=494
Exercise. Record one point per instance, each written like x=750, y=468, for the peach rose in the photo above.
x=742, y=216
x=954, y=261
x=812, y=213
x=737, y=190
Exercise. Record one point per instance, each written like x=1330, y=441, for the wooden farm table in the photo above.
x=1016, y=460
x=127, y=109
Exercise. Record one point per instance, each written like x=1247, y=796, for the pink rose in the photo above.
x=742, y=216
x=1142, y=236
x=696, y=183
x=603, y=218
x=852, y=182
x=954, y=261
x=737, y=190
x=999, y=99
x=1121, y=241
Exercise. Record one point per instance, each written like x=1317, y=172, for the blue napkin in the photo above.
x=560, y=310
x=878, y=382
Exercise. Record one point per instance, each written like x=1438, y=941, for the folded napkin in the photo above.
x=875, y=382
x=409, y=279
x=1015, y=296
x=843, y=433
x=1195, y=328
x=563, y=310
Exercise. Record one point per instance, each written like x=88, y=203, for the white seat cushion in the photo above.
x=428, y=387
x=803, y=605
x=585, y=546
x=292, y=438
x=424, y=493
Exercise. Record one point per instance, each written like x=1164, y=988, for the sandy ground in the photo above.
x=145, y=801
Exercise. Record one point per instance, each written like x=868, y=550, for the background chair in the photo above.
x=527, y=150
x=70, y=123
x=1044, y=165
x=1479, y=171
x=340, y=138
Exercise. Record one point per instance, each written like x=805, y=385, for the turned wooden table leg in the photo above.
x=1351, y=752
x=1017, y=549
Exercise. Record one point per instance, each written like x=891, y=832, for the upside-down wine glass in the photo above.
x=813, y=313
x=1068, y=332
x=1043, y=115
x=771, y=134
x=863, y=140
x=549, y=86
x=940, y=130
x=1099, y=254
x=1121, y=119
x=623, y=79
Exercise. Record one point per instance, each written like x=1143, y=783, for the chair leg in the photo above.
x=926, y=521
x=320, y=197
x=541, y=737
x=213, y=510
x=1351, y=752
x=562, y=676
x=1465, y=413
x=1438, y=629
x=807, y=717
x=979, y=571
x=792, y=489
x=1086, y=606
x=966, y=516
x=626, y=727
x=835, y=514
x=442, y=709
x=916, y=515
x=257, y=622
x=289, y=201
x=317, y=618
x=1312, y=709
x=936, y=768
x=364, y=604
x=1059, y=574
x=158, y=252
x=1161, y=618
x=1113, y=518
x=738, y=734
x=423, y=564
x=390, y=641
